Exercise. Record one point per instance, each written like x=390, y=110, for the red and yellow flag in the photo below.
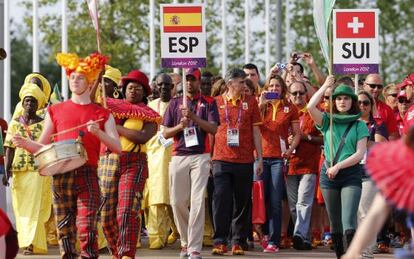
x=182, y=19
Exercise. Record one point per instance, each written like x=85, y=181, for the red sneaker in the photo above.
x=237, y=250
x=219, y=249
x=271, y=249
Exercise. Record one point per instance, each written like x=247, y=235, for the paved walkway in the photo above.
x=172, y=253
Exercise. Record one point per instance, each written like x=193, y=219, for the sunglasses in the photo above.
x=326, y=97
x=393, y=95
x=297, y=93
x=403, y=100
x=364, y=102
x=373, y=86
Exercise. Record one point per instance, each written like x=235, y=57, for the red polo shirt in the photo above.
x=248, y=109
x=306, y=158
x=277, y=120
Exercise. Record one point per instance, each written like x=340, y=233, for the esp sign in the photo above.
x=355, y=41
x=183, y=35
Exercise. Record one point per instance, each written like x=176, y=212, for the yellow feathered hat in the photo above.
x=90, y=66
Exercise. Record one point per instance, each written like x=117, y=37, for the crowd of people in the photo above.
x=182, y=167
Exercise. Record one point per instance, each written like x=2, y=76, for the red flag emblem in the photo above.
x=355, y=24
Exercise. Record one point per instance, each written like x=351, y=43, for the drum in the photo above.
x=61, y=157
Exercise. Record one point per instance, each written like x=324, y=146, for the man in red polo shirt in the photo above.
x=235, y=141
x=373, y=85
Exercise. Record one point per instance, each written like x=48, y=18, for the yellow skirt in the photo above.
x=32, y=203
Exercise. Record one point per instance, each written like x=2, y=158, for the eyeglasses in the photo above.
x=297, y=93
x=364, y=102
x=403, y=100
x=373, y=86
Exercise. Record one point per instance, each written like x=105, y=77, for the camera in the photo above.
x=272, y=96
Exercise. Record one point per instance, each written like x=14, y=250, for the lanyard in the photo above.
x=226, y=112
x=196, y=110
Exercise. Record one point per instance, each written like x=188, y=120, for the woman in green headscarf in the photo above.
x=43, y=84
x=31, y=193
x=341, y=174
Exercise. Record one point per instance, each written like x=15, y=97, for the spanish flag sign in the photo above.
x=182, y=19
x=183, y=35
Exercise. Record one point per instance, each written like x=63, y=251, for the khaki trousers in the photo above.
x=188, y=182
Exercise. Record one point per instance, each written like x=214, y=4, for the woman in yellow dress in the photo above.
x=31, y=193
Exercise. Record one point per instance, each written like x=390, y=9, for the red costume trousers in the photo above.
x=122, y=179
x=75, y=203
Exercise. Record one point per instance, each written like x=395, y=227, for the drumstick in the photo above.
x=74, y=128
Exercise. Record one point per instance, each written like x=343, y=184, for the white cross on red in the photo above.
x=355, y=25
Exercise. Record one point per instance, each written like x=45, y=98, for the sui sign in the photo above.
x=183, y=36
x=355, y=41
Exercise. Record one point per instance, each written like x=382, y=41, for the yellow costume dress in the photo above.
x=156, y=203
x=31, y=193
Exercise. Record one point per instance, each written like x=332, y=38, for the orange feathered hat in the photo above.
x=90, y=66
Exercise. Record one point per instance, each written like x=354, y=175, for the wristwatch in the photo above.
x=309, y=137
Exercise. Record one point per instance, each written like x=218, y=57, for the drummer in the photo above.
x=76, y=193
x=122, y=177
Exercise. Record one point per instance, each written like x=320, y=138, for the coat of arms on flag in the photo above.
x=182, y=19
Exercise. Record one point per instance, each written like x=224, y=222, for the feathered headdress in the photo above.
x=90, y=66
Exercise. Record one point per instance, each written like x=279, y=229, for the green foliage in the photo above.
x=21, y=64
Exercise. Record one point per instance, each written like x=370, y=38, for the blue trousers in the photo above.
x=274, y=185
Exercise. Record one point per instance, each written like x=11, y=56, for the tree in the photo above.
x=21, y=51
x=124, y=32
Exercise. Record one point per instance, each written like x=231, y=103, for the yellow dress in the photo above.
x=31, y=193
x=156, y=193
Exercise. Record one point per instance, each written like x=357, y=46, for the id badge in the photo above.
x=233, y=137
x=163, y=141
x=190, y=137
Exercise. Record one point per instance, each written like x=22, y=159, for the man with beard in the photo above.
x=156, y=193
x=189, y=168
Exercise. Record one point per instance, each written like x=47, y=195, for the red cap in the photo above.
x=138, y=77
x=196, y=72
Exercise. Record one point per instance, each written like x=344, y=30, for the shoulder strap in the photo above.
x=341, y=145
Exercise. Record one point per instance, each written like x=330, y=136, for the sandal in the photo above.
x=28, y=250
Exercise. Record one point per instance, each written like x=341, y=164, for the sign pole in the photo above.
x=356, y=83
x=330, y=32
x=184, y=85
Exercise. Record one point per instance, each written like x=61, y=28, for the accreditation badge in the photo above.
x=286, y=109
x=233, y=137
x=190, y=137
x=245, y=106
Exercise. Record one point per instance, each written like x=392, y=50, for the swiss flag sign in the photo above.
x=355, y=24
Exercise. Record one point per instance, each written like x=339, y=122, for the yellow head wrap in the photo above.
x=113, y=73
x=33, y=90
x=45, y=83
x=90, y=66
